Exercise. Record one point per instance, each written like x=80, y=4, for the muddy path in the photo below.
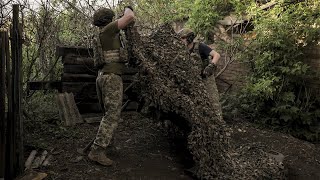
x=140, y=149
x=143, y=149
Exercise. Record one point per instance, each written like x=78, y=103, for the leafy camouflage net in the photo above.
x=170, y=79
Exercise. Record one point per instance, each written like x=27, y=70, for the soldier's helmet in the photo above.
x=102, y=17
x=187, y=33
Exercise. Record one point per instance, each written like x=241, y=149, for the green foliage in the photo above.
x=277, y=92
x=202, y=15
x=153, y=13
x=205, y=14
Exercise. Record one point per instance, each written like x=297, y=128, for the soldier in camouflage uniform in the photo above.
x=109, y=82
x=209, y=59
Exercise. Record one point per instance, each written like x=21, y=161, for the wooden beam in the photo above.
x=44, y=85
x=74, y=59
x=69, y=77
x=75, y=50
x=2, y=102
x=79, y=69
x=14, y=151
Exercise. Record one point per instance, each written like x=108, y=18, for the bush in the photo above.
x=277, y=93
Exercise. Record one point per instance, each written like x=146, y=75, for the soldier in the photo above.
x=109, y=82
x=209, y=59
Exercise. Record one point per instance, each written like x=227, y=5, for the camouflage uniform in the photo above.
x=109, y=84
x=109, y=90
x=210, y=84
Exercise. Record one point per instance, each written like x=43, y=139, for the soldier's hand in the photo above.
x=209, y=70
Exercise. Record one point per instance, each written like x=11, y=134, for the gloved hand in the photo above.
x=209, y=70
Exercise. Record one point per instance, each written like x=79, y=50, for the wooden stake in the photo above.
x=30, y=159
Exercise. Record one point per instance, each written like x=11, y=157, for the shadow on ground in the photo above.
x=141, y=149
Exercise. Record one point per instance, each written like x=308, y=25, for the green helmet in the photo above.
x=102, y=17
x=187, y=33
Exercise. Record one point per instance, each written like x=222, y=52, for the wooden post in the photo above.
x=2, y=102
x=9, y=87
x=14, y=151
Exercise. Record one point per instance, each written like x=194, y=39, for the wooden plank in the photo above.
x=79, y=69
x=76, y=50
x=72, y=59
x=83, y=69
x=68, y=77
x=44, y=85
x=83, y=87
x=68, y=111
x=75, y=115
x=62, y=109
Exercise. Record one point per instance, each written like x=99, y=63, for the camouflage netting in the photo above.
x=170, y=78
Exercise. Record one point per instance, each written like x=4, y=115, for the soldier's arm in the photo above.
x=126, y=19
x=97, y=53
x=215, y=57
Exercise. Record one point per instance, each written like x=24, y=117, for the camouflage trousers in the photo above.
x=110, y=91
x=211, y=87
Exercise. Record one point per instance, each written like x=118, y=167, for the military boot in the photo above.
x=97, y=154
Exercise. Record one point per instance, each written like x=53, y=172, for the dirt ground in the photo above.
x=142, y=149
